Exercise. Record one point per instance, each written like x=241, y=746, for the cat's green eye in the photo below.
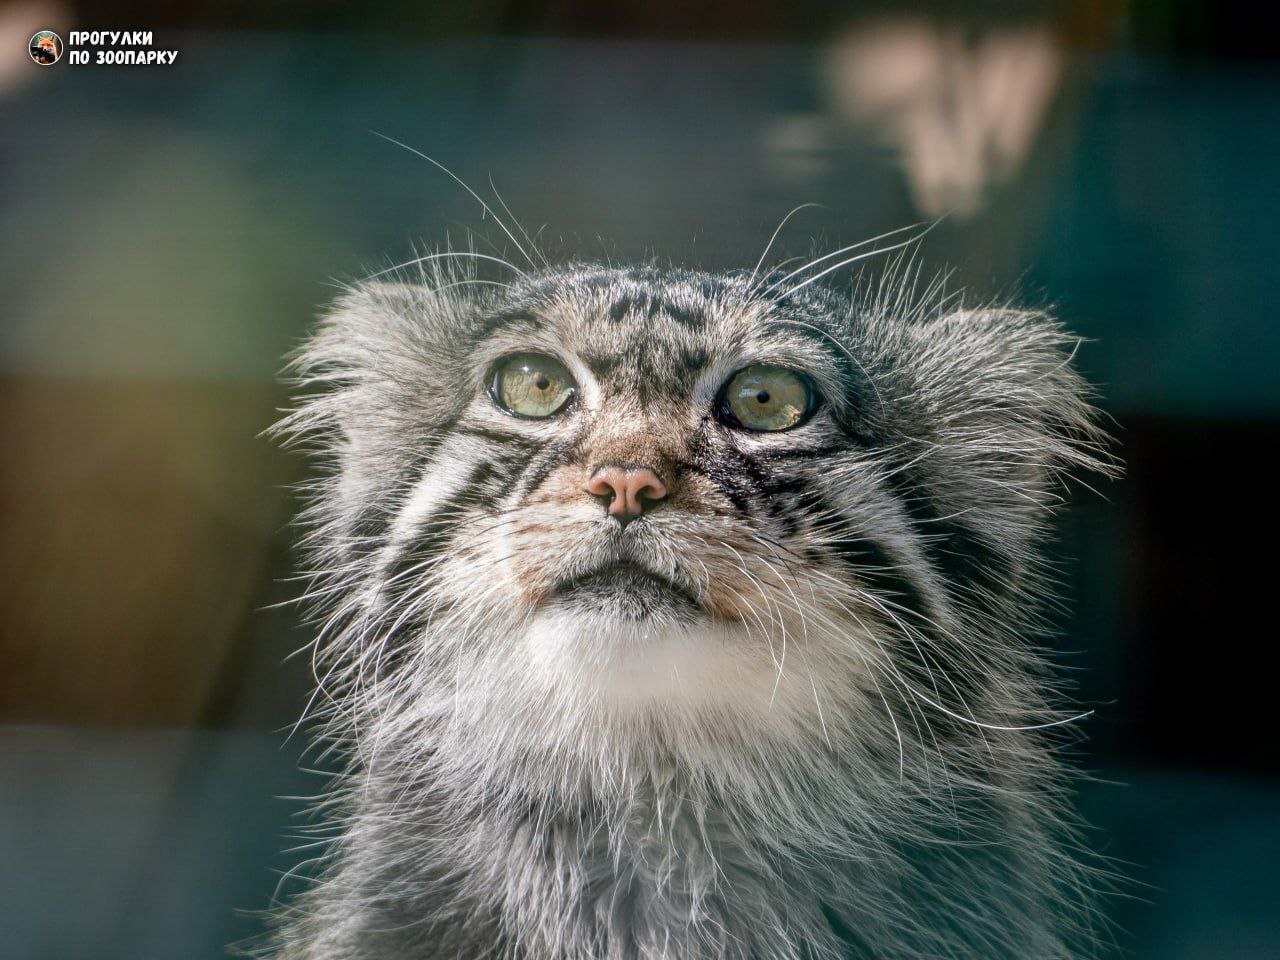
x=532, y=385
x=766, y=398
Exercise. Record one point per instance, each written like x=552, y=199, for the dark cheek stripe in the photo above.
x=755, y=484
x=804, y=453
x=540, y=466
x=406, y=570
x=498, y=437
x=921, y=657
x=780, y=492
x=723, y=481
x=433, y=535
x=966, y=563
x=763, y=484
x=717, y=466
x=367, y=531
x=483, y=489
x=928, y=658
x=882, y=576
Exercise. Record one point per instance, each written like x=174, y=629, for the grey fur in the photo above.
x=516, y=790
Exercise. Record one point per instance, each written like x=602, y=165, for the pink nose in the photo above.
x=628, y=491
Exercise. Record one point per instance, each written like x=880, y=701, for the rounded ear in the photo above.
x=370, y=330
x=995, y=415
x=378, y=377
x=1003, y=387
x=384, y=353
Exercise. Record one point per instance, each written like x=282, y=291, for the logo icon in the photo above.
x=46, y=48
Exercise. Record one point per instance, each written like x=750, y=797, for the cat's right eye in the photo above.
x=532, y=385
x=766, y=398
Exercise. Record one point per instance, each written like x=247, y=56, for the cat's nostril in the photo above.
x=627, y=491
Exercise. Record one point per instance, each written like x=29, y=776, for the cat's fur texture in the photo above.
x=830, y=754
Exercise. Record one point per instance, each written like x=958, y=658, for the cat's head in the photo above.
x=641, y=493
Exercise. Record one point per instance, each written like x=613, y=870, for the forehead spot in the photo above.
x=602, y=365
x=650, y=304
x=673, y=362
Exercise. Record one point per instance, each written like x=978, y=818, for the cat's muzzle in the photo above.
x=628, y=589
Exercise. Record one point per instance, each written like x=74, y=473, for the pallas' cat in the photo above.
x=671, y=614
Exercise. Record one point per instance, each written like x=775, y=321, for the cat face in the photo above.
x=642, y=492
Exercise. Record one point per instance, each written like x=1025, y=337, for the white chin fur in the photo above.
x=706, y=665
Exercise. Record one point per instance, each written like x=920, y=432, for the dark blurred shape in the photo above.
x=140, y=526
x=1199, y=542
x=1205, y=29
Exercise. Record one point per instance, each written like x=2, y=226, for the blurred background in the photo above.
x=168, y=233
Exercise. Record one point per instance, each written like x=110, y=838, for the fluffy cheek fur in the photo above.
x=768, y=649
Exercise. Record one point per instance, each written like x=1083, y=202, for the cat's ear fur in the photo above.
x=376, y=379
x=382, y=357
x=374, y=336
x=998, y=416
x=1002, y=383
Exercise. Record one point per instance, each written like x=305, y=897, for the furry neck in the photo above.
x=827, y=853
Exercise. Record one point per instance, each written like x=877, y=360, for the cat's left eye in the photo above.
x=766, y=398
x=532, y=385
